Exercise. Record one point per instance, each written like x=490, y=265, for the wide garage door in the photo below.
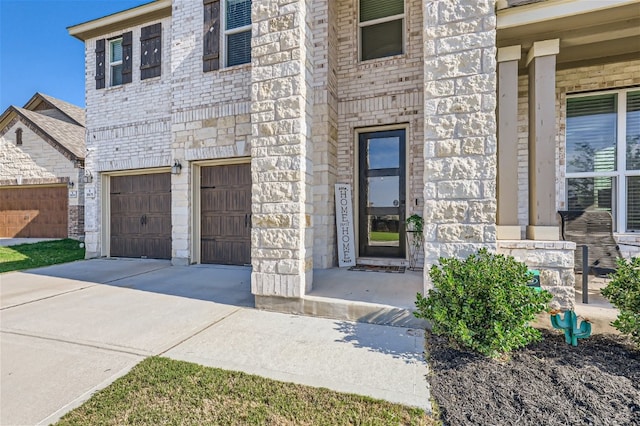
x=141, y=216
x=225, y=197
x=34, y=212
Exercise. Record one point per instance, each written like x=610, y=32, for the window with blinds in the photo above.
x=603, y=160
x=237, y=32
x=115, y=61
x=381, y=24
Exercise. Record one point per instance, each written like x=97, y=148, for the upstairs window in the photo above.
x=115, y=62
x=237, y=32
x=381, y=25
x=19, y=137
x=603, y=155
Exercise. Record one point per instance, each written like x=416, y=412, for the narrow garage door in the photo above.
x=141, y=216
x=33, y=212
x=225, y=197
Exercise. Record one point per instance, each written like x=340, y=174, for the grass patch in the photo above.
x=161, y=391
x=384, y=236
x=27, y=256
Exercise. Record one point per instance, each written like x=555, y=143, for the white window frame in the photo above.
x=619, y=190
x=114, y=63
x=225, y=33
x=361, y=25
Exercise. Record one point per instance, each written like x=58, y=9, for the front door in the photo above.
x=382, y=194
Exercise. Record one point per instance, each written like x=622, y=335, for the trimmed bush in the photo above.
x=483, y=303
x=623, y=291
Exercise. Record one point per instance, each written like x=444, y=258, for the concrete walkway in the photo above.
x=69, y=330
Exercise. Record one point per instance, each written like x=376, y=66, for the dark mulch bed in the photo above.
x=548, y=383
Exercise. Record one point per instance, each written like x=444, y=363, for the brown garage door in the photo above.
x=141, y=216
x=225, y=197
x=33, y=212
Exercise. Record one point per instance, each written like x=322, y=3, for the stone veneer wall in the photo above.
x=281, y=151
x=584, y=79
x=554, y=260
x=380, y=92
x=460, y=128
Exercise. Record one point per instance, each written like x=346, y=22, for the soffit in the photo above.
x=589, y=32
x=121, y=20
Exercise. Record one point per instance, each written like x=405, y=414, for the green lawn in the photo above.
x=384, y=236
x=160, y=391
x=26, y=256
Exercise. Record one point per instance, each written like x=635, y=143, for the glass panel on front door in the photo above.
x=382, y=194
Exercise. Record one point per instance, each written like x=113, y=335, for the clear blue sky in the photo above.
x=37, y=54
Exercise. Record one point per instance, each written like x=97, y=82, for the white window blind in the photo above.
x=381, y=25
x=603, y=155
x=237, y=32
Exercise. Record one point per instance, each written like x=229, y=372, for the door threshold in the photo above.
x=382, y=261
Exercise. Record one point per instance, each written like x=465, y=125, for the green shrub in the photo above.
x=623, y=291
x=483, y=303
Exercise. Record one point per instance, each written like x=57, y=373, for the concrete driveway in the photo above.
x=69, y=330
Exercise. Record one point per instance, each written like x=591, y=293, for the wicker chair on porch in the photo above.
x=595, y=230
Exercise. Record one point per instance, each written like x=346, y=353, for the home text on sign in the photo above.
x=344, y=226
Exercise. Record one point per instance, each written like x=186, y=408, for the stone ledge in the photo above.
x=536, y=244
x=339, y=309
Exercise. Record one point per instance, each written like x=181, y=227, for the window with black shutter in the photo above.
x=151, y=51
x=211, y=38
x=127, y=53
x=100, y=50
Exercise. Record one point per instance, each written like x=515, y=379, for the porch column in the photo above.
x=507, y=214
x=541, y=61
x=281, y=151
x=460, y=90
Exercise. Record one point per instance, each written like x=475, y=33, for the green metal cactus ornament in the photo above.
x=570, y=326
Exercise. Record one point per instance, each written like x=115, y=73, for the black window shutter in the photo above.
x=100, y=63
x=127, y=53
x=211, y=57
x=151, y=51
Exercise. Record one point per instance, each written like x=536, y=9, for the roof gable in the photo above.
x=54, y=121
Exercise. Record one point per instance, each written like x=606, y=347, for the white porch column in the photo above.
x=541, y=61
x=507, y=214
x=281, y=151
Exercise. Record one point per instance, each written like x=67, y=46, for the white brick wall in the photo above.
x=380, y=92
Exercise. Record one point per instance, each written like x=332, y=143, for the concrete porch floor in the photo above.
x=598, y=311
x=385, y=298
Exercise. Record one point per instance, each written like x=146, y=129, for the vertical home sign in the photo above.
x=344, y=226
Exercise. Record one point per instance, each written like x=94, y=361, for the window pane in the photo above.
x=375, y=9
x=593, y=193
x=116, y=50
x=633, y=131
x=633, y=203
x=238, y=13
x=239, y=48
x=384, y=191
x=116, y=75
x=591, y=134
x=382, y=40
x=384, y=153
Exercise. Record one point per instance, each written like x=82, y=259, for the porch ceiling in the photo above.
x=590, y=32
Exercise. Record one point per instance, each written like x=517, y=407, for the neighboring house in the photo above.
x=42, y=151
x=219, y=128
